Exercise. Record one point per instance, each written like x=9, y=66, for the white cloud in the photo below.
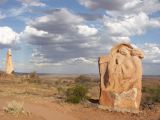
x=39, y=60
x=120, y=39
x=34, y=3
x=135, y=24
x=58, y=15
x=63, y=41
x=27, y=6
x=33, y=31
x=151, y=61
x=152, y=52
x=131, y=4
x=156, y=61
x=86, y=30
x=122, y=28
x=8, y=36
x=17, y=11
x=80, y=60
x=123, y=7
x=149, y=6
x=103, y=4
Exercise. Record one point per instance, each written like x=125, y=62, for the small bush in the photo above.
x=76, y=94
x=61, y=91
x=34, y=78
x=153, y=94
x=83, y=80
x=14, y=107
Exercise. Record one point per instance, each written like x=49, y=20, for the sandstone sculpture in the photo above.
x=9, y=64
x=120, y=79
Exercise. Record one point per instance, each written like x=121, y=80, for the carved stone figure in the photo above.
x=9, y=64
x=120, y=79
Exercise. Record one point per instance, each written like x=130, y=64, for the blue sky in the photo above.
x=68, y=36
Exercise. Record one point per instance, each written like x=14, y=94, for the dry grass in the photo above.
x=14, y=107
x=56, y=87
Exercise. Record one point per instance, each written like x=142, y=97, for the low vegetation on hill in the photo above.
x=80, y=90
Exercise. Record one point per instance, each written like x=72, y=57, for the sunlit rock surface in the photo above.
x=9, y=64
x=120, y=79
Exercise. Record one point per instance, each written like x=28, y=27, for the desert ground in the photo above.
x=43, y=98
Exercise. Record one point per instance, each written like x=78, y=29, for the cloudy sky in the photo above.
x=67, y=36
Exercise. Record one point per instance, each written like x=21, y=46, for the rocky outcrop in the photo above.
x=120, y=79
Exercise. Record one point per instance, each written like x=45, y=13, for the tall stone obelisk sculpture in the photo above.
x=9, y=64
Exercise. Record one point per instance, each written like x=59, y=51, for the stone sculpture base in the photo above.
x=123, y=102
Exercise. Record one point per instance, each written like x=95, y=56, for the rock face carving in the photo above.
x=9, y=65
x=120, y=79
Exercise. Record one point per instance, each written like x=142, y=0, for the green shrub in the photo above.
x=33, y=74
x=76, y=94
x=83, y=80
x=34, y=78
x=153, y=94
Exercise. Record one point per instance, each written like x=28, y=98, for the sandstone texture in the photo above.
x=9, y=64
x=120, y=79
